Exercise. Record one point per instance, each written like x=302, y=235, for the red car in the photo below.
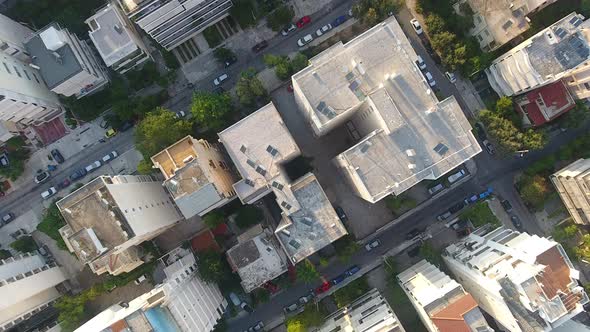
x=323, y=288
x=305, y=20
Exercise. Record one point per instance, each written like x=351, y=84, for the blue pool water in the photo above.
x=160, y=320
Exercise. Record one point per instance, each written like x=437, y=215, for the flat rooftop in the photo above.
x=110, y=34
x=258, y=259
x=258, y=145
x=415, y=136
x=312, y=222
x=55, y=66
x=505, y=20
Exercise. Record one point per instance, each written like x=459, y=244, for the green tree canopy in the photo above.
x=17, y=154
x=212, y=110
x=355, y=289
x=51, y=223
x=211, y=266
x=280, y=17
x=24, y=244
x=213, y=219
x=223, y=54
x=248, y=215
x=534, y=190
x=158, y=130
x=306, y=272
x=508, y=135
x=250, y=90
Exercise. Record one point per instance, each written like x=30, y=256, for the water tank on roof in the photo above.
x=52, y=38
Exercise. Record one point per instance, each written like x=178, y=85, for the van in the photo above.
x=436, y=189
x=456, y=176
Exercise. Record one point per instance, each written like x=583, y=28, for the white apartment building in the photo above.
x=173, y=23
x=67, y=64
x=442, y=304
x=403, y=134
x=197, y=176
x=12, y=37
x=110, y=216
x=559, y=52
x=27, y=287
x=525, y=282
x=572, y=183
x=181, y=303
x=116, y=39
x=370, y=312
x=496, y=23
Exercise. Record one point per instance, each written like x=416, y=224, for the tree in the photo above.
x=211, y=110
x=351, y=292
x=280, y=17
x=24, y=244
x=429, y=253
x=243, y=11
x=562, y=233
x=213, y=219
x=211, y=267
x=17, y=154
x=505, y=106
x=223, y=54
x=534, y=191
x=400, y=204
x=371, y=18
x=306, y=272
x=435, y=24
x=247, y=216
x=250, y=89
x=299, y=62
x=158, y=130
x=4, y=254
x=345, y=247
x=508, y=136
x=577, y=116
x=51, y=223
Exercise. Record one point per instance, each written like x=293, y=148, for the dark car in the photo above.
x=506, y=205
x=126, y=126
x=481, y=134
x=516, y=222
x=352, y=270
x=7, y=218
x=413, y=233
x=339, y=20
x=260, y=46
x=230, y=61
x=457, y=207
x=305, y=20
x=338, y=279
x=78, y=174
x=341, y=214
x=57, y=156
x=42, y=177
x=64, y=184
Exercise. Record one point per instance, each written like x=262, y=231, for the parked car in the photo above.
x=43, y=251
x=109, y=157
x=339, y=20
x=42, y=177
x=420, y=63
x=64, y=184
x=110, y=133
x=417, y=27
x=305, y=20
x=288, y=29
x=239, y=303
x=372, y=245
x=306, y=298
x=180, y=114
x=481, y=133
x=217, y=81
x=260, y=46
x=436, y=189
x=126, y=126
x=258, y=326
x=443, y=216
x=230, y=61
x=430, y=79
x=18, y=234
x=413, y=233
x=457, y=207
x=338, y=279
x=451, y=77
x=506, y=205
x=323, y=288
x=48, y=193
x=489, y=147
x=78, y=174
x=323, y=29
x=93, y=167
x=7, y=218
x=352, y=270
x=305, y=40
x=341, y=214
x=57, y=156
x=516, y=222
x=291, y=307
x=141, y=279
x=456, y=176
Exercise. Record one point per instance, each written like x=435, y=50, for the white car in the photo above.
x=420, y=63
x=288, y=29
x=180, y=114
x=305, y=40
x=417, y=27
x=93, y=167
x=48, y=193
x=374, y=244
x=109, y=157
x=220, y=79
x=323, y=29
x=430, y=79
x=451, y=77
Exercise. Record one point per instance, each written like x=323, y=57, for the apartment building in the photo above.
x=544, y=104
x=174, y=23
x=559, y=52
x=496, y=23
x=12, y=37
x=116, y=39
x=442, y=304
x=260, y=145
x=67, y=64
x=181, y=303
x=370, y=312
x=257, y=258
x=110, y=216
x=28, y=289
x=572, y=184
x=525, y=282
x=403, y=134
x=197, y=176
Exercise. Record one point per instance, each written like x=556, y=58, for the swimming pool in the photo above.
x=161, y=320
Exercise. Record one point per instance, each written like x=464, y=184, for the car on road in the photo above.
x=443, y=216
x=239, y=303
x=338, y=279
x=516, y=222
x=18, y=234
x=430, y=79
x=139, y=280
x=339, y=20
x=219, y=79
x=93, y=167
x=323, y=288
x=64, y=184
x=341, y=214
x=489, y=147
x=230, y=61
x=305, y=20
x=417, y=27
x=291, y=307
x=306, y=298
x=7, y=218
x=43, y=250
x=456, y=176
x=109, y=157
x=506, y=205
x=286, y=30
x=413, y=234
x=42, y=177
x=451, y=77
x=57, y=156
x=260, y=46
x=323, y=29
x=110, y=133
x=457, y=207
x=420, y=63
x=49, y=193
x=481, y=133
x=305, y=40
x=352, y=270
x=259, y=326
x=180, y=114
x=372, y=245
x=79, y=173
x=436, y=189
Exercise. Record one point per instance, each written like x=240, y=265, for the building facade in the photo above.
x=116, y=39
x=110, y=216
x=12, y=37
x=27, y=287
x=67, y=64
x=525, y=282
x=572, y=183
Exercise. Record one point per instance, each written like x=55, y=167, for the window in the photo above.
x=223, y=165
x=27, y=74
x=16, y=71
x=36, y=79
x=587, y=86
x=6, y=66
x=212, y=164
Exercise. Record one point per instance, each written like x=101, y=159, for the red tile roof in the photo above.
x=51, y=131
x=556, y=275
x=450, y=318
x=553, y=95
x=204, y=241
